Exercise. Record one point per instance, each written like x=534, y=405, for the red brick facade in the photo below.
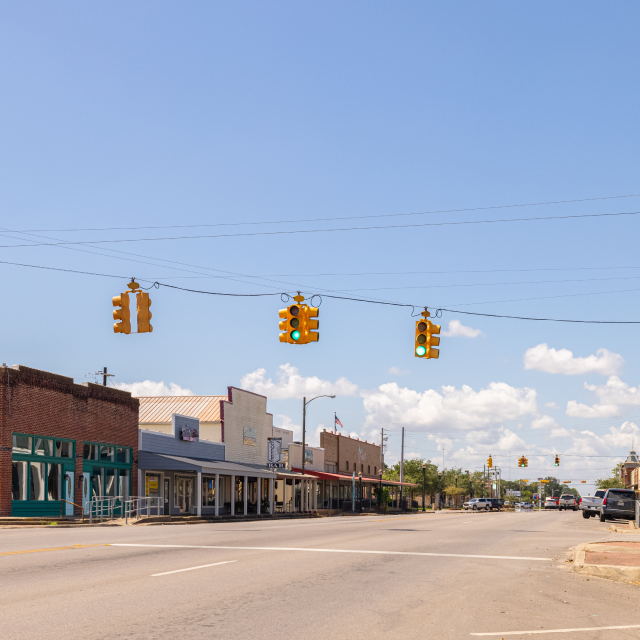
x=46, y=404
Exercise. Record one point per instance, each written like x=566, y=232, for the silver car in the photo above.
x=478, y=503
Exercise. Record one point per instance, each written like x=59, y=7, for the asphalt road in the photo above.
x=437, y=576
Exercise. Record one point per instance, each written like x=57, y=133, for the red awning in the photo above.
x=323, y=475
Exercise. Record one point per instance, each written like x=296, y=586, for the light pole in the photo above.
x=360, y=477
x=304, y=420
x=380, y=497
x=424, y=482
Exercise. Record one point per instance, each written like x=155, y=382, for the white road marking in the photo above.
x=536, y=631
x=382, y=553
x=202, y=566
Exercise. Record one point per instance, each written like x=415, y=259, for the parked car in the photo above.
x=551, y=503
x=567, y=501
x=590, y=505
x=507, y=503
x=478, y=503
x=618, y=503
x=526, y=505
x=496, y=503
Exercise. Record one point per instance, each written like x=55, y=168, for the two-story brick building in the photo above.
x=62, y=443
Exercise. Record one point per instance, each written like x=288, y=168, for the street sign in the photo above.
x=545, y=481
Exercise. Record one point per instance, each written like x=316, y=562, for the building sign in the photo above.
x=275, y=454
x=185, y=428
x=308, y=456
x=250, y=436
x=153, y=484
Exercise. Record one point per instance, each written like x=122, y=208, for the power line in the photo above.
x=384, y=215
x=253, y=295
x=335, y=229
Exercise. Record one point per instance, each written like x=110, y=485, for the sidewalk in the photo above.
x=614, y=559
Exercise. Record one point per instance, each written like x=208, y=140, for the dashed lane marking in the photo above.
x=202, y=566
x=360, y=551
x=537, y=631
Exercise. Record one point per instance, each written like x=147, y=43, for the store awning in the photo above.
x=164, y=462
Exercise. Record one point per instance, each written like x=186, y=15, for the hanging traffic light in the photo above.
x=424, y=338
x=299, y=323
x=523, y=462
x=122, y=313
x=144, y=315
x=490, y=462
x=557, y=460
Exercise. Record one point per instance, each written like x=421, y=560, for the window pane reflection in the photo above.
x=110, y=482
x=63, y=449
x=96, y=484
x=55, y=482
x=37, y=480
x=19, y=480
x=106, y=453
x=123, y=489
x=44, y=447
x=22, y=444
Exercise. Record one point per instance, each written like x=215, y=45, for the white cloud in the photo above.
x=458, y=330
x=544, y=358
x=626, y=435
x=150, y=388
x=613, y=396
x=544, y=422
x=551, y=405
x=290, y=384
x=398, y=372
x=392, y=406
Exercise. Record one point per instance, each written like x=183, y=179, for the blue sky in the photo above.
x=139, y=115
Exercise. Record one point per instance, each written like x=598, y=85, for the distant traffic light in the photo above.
x=299, y=323
x=144, y=315
x=122, y=313
x=490, y=462
x=425, y=338
x=557, y=460
x=523, y=462
x=526, y=462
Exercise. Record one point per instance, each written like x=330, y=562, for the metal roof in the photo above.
x=159, y=408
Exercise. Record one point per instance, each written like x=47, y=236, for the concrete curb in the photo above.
x=610, y=571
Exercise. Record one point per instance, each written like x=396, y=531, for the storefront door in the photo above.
x=86, y=493
x=184, y=491
x=69, y=485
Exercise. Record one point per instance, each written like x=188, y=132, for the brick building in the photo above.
x=343, y=454
x=61, y=441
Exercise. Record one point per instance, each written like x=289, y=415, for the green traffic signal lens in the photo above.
x=295, y=323
x=295, y=335
x=421, y=350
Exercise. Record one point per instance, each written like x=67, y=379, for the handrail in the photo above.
x=73, y=504
x=135, y=505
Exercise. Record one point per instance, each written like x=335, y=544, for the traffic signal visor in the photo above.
x=144, y=315
x=122, y=313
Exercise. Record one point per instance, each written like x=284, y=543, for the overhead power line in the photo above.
x=383, y=215
x=158, y=284
x=333, y=230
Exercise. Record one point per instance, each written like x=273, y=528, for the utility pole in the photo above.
x=484, y=479
x=401, y=466
x=304, y=419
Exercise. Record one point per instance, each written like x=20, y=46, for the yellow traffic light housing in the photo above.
x=144, y=315
x=299, y=323
x=490, y=462
x=425, y=338
x=523, y=462
x=122, y=313
x=557, y=461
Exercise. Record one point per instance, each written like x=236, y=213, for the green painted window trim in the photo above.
x=107, y=463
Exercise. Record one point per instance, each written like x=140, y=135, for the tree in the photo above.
x=614, y=482
x=413, y=474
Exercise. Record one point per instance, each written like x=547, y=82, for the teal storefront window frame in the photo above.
x=46, y=507
x=92, y=467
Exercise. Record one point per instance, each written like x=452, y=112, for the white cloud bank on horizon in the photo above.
x=391, y=406
x=547, y=359
x=151, y=388
x=290, y=384
x=458, y=330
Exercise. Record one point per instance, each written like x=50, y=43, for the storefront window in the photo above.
x=37, y=480
x=54, y=484
x=208, y=492
x=19, y=475
x=106, y=453
x=109, y=467
x=122, y=454
x=123, y=483
x=110, y=482
x=90, y=452
x=44, y=447
x=64, y=449
x=22, y=444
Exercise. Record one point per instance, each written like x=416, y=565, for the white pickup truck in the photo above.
x=567, y=501
x=590, y=505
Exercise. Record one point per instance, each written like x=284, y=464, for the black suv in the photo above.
x=496, y=503
x=618, y=503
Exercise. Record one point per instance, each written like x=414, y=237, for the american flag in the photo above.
x=339, y=423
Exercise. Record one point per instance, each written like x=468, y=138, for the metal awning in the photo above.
x=324, y=475
x=162, y=461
